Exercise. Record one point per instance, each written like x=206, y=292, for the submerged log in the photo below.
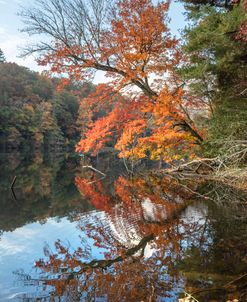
x=13, y=183
x=12, y=187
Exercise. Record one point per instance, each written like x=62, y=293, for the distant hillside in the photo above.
x=34, y=112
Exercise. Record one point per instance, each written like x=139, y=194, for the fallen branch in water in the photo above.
x=224, y=287
x=226, y=177
x=12, y=187
x=236, y=280
x=94, y=169
x=13, y=183
x=195, y=165
x=228, y=168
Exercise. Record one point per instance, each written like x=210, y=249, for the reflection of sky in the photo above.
x=20, y=248
x=196, y=217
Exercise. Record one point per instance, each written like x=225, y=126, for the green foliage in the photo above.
x=33, y=113
x=227, y=127
x=217, y=59
x=65, y=109
x=216, y=70
x=217, y=3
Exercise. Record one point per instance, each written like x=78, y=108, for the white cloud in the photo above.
x=11, y=44
x=11, y=247
x=2, y=29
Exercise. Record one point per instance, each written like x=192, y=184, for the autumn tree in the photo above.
x=130, y=41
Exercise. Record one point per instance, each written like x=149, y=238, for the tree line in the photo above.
x=35, y=112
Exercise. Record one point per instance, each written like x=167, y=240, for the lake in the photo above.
x=69, y=233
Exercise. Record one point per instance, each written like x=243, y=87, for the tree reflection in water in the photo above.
x=151, y=240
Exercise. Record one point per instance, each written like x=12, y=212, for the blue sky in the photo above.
x=11, y=40
x=10, y=37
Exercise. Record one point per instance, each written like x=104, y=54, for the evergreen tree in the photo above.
x=216, y=71
x=2, y=57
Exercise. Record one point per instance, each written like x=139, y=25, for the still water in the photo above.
x=71, y=234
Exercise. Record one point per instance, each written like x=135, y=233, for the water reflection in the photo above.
x=42, y=189
x=145, y=241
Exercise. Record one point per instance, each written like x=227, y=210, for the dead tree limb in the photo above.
x=94, y=169
x=12, y=187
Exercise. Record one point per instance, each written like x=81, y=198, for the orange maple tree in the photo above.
x=131, y=42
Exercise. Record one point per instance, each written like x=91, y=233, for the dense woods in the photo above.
x=34, y=112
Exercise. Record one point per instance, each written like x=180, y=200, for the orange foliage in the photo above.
x=135, y=47
x=95, y=193
x=140, y=40
x=141, y=127
x=110, y=126
x=122, y=275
